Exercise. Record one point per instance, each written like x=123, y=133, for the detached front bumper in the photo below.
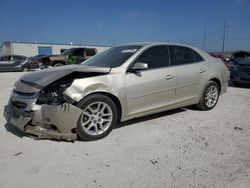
x=16, y=117
x=45, y=121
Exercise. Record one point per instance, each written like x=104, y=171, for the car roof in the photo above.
x=151, y=44
x=154, y=43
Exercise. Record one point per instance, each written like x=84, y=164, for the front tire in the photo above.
x=26, y=69
x=210, y=96
x=98, y=118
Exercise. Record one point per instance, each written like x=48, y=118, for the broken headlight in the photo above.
x=53, y=94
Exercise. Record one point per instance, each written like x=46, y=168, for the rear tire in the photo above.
x=209, y=97
x=98, y=118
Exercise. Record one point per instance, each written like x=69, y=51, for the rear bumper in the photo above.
x=224, y=83
x=224, y=88
x=52, y=122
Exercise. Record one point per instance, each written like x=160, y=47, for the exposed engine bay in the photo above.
x=53, y=93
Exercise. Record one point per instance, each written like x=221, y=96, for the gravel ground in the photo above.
x=178, y=148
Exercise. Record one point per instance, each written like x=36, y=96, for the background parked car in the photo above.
x=240, y=68
x=33, y=62
x=70, y=56
x=12, y=63
x=238, y=55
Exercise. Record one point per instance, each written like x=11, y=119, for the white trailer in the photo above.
x=32, y=49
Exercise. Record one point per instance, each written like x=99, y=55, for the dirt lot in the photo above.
x=179, y=148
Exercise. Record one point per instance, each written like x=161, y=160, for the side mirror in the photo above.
x=139, y=66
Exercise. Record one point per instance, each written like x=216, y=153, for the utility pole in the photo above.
x=204, y=36
x=224, y=37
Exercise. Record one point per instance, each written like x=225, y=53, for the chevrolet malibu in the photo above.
x=121, y=83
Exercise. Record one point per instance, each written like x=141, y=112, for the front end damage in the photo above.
x=52, y=122
x=45, y=110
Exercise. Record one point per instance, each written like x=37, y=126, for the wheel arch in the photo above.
x=217, y=81
x=56, y=61
x=113, y=97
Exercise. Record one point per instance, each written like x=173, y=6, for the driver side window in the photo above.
x=78, y=52
x=155, y=57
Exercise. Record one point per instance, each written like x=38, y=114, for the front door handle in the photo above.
x=169, y=77
x=202, y=70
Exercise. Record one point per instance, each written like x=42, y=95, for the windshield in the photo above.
x=243, y=61
x=113, y=57
x=36, y=57
x=67, y=52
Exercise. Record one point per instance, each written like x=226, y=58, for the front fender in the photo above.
x=112, y=84
x=78, y=92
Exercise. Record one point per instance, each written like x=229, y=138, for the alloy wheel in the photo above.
x=96, y=118
x=211, y=96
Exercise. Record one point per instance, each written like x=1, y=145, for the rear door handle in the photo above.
x=202, y=70
x=169, y=77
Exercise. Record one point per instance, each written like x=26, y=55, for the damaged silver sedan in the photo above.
x=119, y=84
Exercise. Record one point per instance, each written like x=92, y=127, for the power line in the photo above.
x=227, y=37
x=237, y=39
x=224, y=36
x=204, y=36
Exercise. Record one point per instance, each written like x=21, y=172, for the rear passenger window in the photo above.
x=155, y=57
x=90, y=52
x=181, y=55
x=63, y=50
x=197, y=56
x=18, y=58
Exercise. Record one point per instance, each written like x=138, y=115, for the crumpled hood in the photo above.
x=43, y=78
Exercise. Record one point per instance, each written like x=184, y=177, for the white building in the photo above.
x=31, y=49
